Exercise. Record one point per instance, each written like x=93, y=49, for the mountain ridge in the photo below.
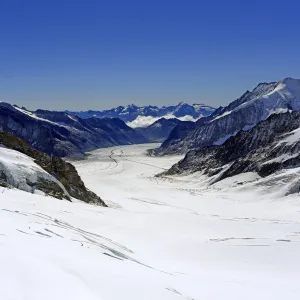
x=241, y=114
x=270, y=146
x=130, y=113
x=59, y=134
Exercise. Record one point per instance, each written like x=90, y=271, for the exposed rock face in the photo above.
x=160, y=130
x=271, y=145
x=49, y=187
x=64, y=172
x=62, y=135
x=241, y=114
x=131, y=112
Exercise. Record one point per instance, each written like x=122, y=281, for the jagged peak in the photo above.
x=264, y=86
x=132, y=105
x=182, y=103
x=5, y=104
x=290, y=79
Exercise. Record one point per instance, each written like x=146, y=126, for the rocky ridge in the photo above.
x=64, y=172
x=131, y=112
x=242, y=114
x=270, y=146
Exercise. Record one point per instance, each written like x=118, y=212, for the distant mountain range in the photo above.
x=144, y=116
x=60, y=134
x=259, y=132
x=242, y=114
x=72, y=134
x=66, y=134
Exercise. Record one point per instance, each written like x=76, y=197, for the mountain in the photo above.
x=241, y=114
x=160, y=129
x=31, y=170
x=62, y=135
x=270, y=146
x=144, y=116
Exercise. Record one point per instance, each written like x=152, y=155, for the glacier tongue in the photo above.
x=169, y=239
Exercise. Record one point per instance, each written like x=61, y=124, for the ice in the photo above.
x=161, y=238
x=21, y=170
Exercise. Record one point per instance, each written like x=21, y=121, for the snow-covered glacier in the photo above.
x=160, y=238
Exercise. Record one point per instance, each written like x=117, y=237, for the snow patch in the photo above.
x=292, y=137
x=32, y=115
x=281, y=158
x=226, y=113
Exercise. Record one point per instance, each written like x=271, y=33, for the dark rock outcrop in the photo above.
x=63, y=171
x=160, y=130
x=270, y=146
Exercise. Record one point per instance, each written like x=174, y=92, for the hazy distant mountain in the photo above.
x=144, y=116
x=62, y=135
x=241, y=114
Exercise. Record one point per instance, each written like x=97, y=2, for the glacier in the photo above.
x=160, y=238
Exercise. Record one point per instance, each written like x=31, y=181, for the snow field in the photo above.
x=161, y=238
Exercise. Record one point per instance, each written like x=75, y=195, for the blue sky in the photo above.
x=100, y=54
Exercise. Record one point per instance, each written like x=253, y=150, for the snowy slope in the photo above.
x=241, y=114
x=171, y=239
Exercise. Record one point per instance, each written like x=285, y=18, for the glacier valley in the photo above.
x=169, y=238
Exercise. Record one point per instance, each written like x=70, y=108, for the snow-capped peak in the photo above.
x=133, y=112
x=242, y=114
x=273, y=96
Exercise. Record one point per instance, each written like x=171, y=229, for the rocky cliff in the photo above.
x=270, y=146
x=70, y=183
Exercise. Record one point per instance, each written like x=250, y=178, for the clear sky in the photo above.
x=100, y=54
